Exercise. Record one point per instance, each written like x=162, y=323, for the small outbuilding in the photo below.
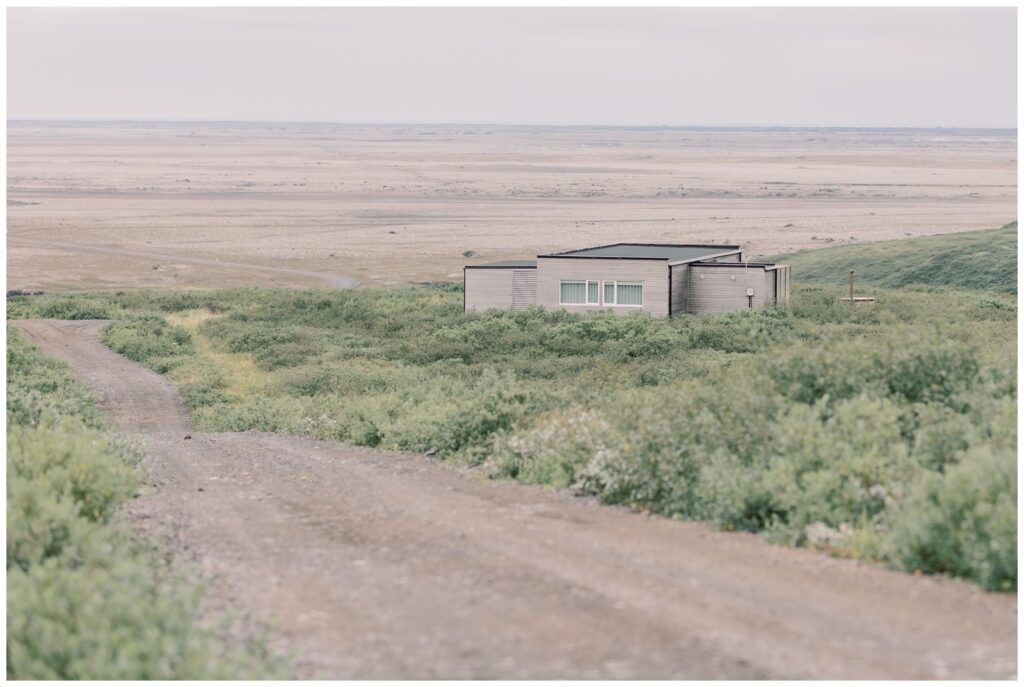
x=662, y=279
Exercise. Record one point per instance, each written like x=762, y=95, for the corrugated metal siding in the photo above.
x=680, y=292
x=723, y=289
x=488, y=288
x=524, y=289
x=652, y=273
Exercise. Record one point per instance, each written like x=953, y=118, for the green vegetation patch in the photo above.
x=884, y=432
x=85, y=599
x=969, y=260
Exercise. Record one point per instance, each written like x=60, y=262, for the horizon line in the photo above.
x=385, y=122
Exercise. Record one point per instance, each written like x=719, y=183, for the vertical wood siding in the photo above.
x=488, y=288
x=653, y=274
x=725, y=288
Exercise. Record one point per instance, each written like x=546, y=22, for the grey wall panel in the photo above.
x=722, y=289
x=524, y=288
x=653, y=274
x=488, y=288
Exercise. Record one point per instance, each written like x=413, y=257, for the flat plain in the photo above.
x=189, y=205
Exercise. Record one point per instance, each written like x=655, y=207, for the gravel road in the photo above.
x=376, y=564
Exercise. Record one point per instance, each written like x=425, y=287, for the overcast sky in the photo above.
x=795, y=67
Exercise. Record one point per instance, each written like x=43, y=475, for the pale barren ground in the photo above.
x=390, y=204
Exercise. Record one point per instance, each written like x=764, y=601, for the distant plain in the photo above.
x=388, y=204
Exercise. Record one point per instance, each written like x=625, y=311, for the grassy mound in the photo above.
x=972, y=260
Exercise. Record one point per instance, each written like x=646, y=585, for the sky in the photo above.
x=888, y=67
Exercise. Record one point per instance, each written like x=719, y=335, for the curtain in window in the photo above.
x=592, y=292
x=609, y=293
x=631, y=294
x=574, y=292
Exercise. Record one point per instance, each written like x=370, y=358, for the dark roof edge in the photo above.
x=562, y=254
x=756, y=265
x=601, y=257
x=499, y=267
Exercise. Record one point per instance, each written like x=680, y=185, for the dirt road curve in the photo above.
x=375, y=564
x=336, y=281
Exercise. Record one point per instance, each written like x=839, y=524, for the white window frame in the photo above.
x=618, y=301
x=561, y=282
x=604, y=291
x=601, y=285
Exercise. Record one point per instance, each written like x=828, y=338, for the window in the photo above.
x=629, y=293
x=609, y=293
x=590, y=292
x=573, y=293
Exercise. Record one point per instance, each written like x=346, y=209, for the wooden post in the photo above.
x=851, y=286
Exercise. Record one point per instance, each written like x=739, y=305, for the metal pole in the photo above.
x=851, y=286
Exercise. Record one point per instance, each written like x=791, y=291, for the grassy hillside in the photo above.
x=86, y=599
x=973, y=260
x=886, y=433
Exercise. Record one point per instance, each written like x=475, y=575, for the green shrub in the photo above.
x=41, y=389
x=74, y=310
x=109, y=611
x=815, y=447
x=256, y=413
x=85, y=600
x=495, y=404
x=150, y=340
x=913, y=368
x=553, y=450
x=94, y=470
x=811, y=424
x=962, y=522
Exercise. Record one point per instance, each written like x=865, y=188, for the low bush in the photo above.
x=828, y=449
x=150, y=339
x=106, y=609
x=814, y=425
x=86, y=600
x=963, y=521
x=41, y=389
x=49, y=467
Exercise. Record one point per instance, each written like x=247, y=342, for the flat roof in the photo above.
x=508, y=263
x=758, y=265
x=673, y=252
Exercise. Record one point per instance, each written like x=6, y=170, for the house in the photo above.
x=662, y=279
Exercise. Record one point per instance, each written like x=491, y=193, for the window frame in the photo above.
x=602, y=285
x=562, y=282
x=604, y=291
x=618, y=300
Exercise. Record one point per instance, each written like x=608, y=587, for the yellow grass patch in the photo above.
x=241, y=376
